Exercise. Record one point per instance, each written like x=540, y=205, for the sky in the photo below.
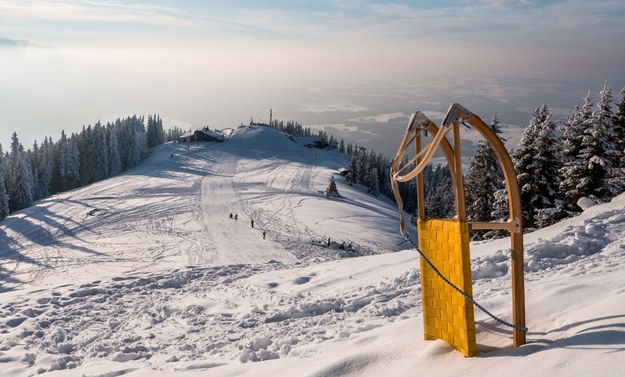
x=64, y=64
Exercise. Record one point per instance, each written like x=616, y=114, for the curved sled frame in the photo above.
x=456, y=115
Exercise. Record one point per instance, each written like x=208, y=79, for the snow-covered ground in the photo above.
x=146, y=274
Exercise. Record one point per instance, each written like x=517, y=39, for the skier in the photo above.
x=252, y=223
x=230, y=215
x=263, y=234
x=236, y=216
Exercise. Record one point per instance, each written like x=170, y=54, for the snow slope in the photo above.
x=146, y=274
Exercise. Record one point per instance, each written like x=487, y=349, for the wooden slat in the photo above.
x=511, y=226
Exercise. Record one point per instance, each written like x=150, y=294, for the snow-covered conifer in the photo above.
x=361, y=165
x=372, y=174
x=4, y=196
x=331, y=190
x=85, y=140
x=115, y=163
x=384, y=168
x=605, y=123
x=20, y=181
x=46, y=167
x=439, y=192
x=598, y=152
x=573, y=171
x=374, y=184
x=619, y=129
x=536, y=161
x=351, y=177
x=154, y=133
x=484, y=177
x=72, y=162
x=34, y=159
x=99, y=154
x=135, y=151
x=68, y=164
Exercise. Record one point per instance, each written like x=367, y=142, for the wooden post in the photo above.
x=516, y=233
x=461, y=208
x=420, y=195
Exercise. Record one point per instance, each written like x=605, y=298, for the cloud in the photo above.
x=16, y=43
x=331, y=104
x=83, y=11
x=380, y=118
x=331, y=127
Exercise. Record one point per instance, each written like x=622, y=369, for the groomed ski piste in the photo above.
x=146, y=274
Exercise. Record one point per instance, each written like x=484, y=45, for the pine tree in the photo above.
x=574, y=168
x=619, y=129
x=372, y=174
x=361, y=166
x=331, y=190
x=605, y=119
x=484, y=177
x=384, y=168
x=34, y=158
x=4, y=196
x=154, y=133
x=523, y=160
x=20, y=181
x=135, y=141
x=354, y=166
x=99, y=154
x=501, y=210
x=598, y=152
x=612, y=143
x=85, y=140
x=115, y=163
x=173, y=134
x=547, y=174
x=46, y=169
x=72, y=162
x=67, y=163
x=70, y=173
x=374, y=185
x=351, y=177
x=536, y=163
x=439, y=192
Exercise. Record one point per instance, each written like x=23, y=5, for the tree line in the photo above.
x=96, y=153
x=557, y=163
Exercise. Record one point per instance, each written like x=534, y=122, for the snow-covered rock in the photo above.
x=585, y=203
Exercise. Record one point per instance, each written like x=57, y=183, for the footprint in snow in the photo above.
x=301, y=280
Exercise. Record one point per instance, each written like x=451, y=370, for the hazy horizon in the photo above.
x=360, y=66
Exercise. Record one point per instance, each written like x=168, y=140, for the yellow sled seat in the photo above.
x=447, y=314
